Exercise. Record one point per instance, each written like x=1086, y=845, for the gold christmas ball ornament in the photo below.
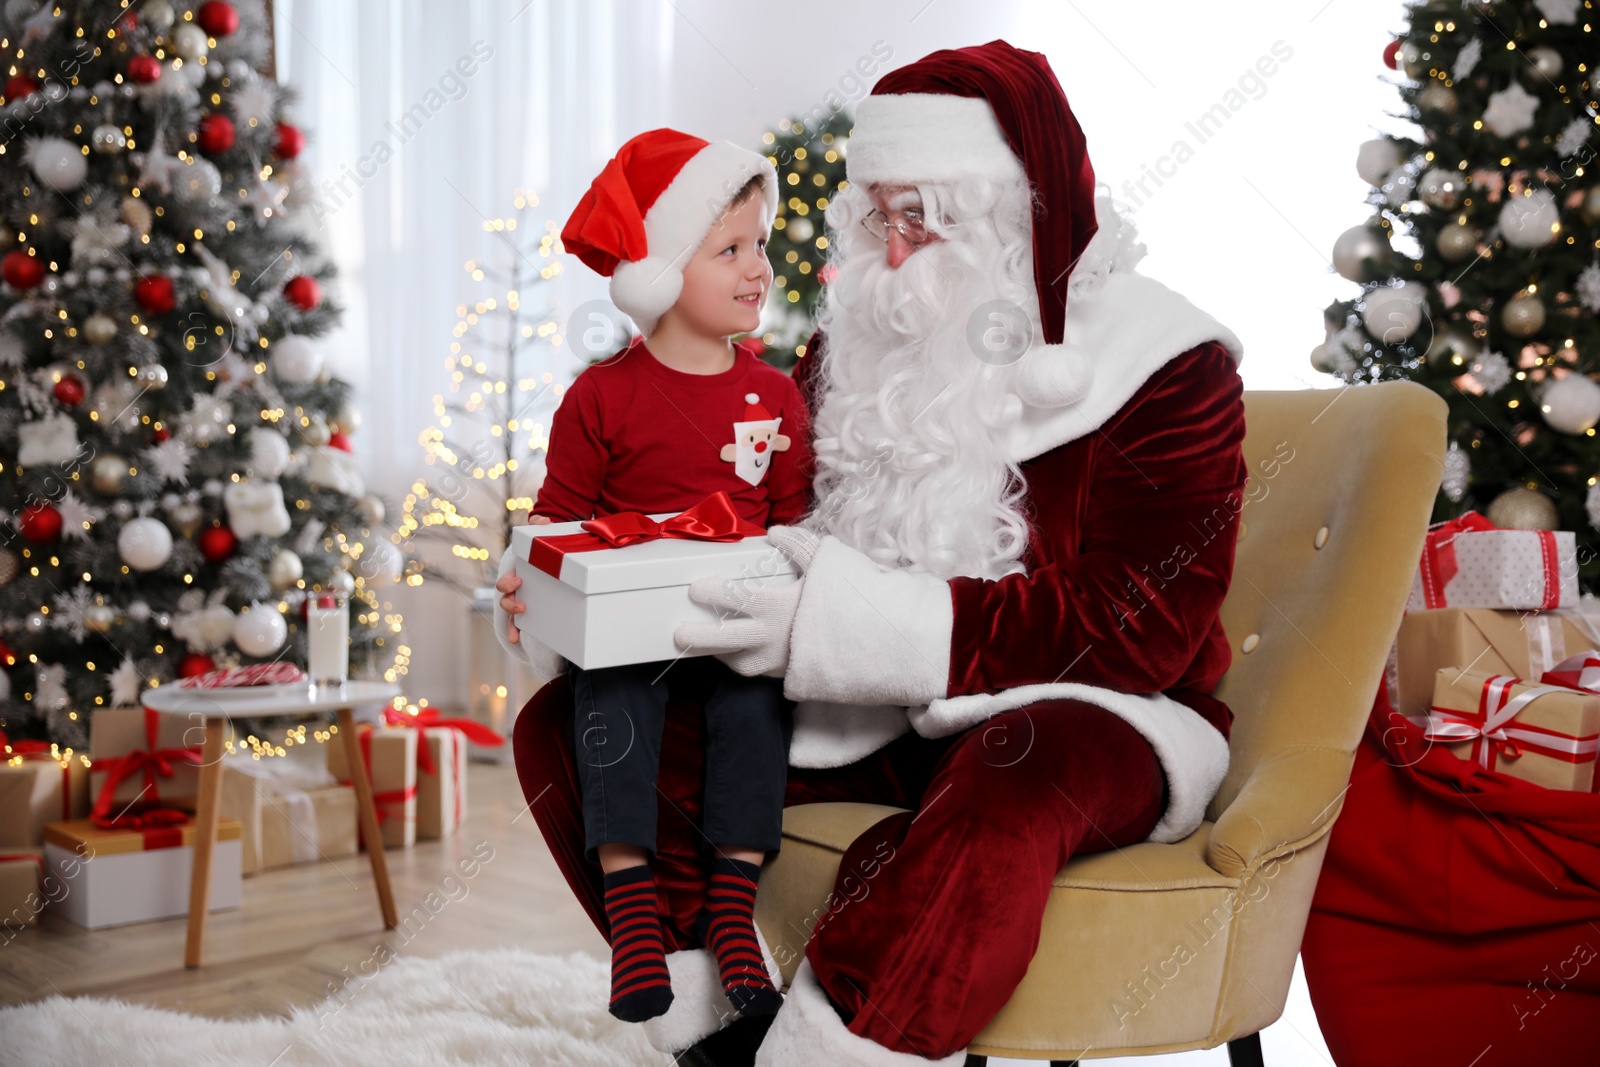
x=136, y=213
x=1458, y=241
x=1442, y=189
x=1523, y=315
x=108, y=473
x=285, y=569
x=99, y=618
x=9, y=565
x=1591, y=204
x=107, y=139
x=1438, y=99
x=347, y=420
x=316, y=433
x=371, y=509
x=1522, y=509
x=1414, y=61
x=99, y=328
x=186, y=517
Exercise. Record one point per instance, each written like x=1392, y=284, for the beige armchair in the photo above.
x=1164, y=948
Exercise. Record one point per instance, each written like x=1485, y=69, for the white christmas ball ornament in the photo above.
x=380, y=564
x=285, y=569
x=259, y=630
x=269, y=453
x=1530, y=221
x=158, y=15
x=58, y=163
x=1362, y=253
x=1375, y=159
x=1393, y=314
x=1442, y=189
x=144, y=544
x=189, y=41
x=296, y=360
x=198, y=181
x=1571, y=404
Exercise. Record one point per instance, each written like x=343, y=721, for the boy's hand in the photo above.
x=507, y=585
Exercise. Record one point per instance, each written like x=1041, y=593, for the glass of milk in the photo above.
x=327, y=638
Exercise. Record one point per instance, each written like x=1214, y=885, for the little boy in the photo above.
x=681, y=227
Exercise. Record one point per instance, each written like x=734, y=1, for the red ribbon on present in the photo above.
x=12, y=857
x=713, y=519
x=157, y=827
x=38, y=751
x=1439, y=564
x=474, y=731
x=1491, y=731
x=152, y=762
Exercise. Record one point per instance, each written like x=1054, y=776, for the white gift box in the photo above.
x=613, y=606
x=1504, y=569
x=111, y=877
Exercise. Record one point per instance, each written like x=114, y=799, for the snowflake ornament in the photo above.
x=97, y=240
x=256, y=99
x=77, y=517
x=67, y=611
x=1511, y=110
x=1467, y=59
x=204, y=625
x=1493, y=371
x=1573, y=137
x=170, y=459
x=1588, y=287
x=126, y=684
x=223, y=298
x=50, y=685
x=1558, y=12
x=156, y=168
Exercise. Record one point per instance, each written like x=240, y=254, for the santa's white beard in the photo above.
x=912, y=468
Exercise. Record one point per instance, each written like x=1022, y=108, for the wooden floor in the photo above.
x=301, y=927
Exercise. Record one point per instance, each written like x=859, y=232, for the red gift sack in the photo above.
x=1457, y=919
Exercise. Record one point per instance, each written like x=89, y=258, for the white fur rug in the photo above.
x=485, y=1009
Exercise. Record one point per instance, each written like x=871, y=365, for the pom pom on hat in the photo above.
x=753, y=410
x=650, y=209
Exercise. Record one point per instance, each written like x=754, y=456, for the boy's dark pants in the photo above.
x=618, y=716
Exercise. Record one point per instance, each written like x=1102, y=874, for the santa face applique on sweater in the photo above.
x=755, y=441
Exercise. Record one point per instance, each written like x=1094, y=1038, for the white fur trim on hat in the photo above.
x=928, y=137
x=678, y=222
x=807, y=1031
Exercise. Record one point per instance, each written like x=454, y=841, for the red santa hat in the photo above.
x=990, y=111
x=754, y=411
x=650, y=208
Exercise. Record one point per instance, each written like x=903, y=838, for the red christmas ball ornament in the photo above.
x=69, y=390
x=303, y=291
x=20, y=270
x=154, y=294
x=340, y=441
x=1391, y=55
x=144, y=69
x=215, y=133
x=160, y=434
x=291, y=142
x=19, y=86
x=195, y=664
x=8, y=658
x=39, y=523
x=217, y=18
x=216, y=543
x=127, y=22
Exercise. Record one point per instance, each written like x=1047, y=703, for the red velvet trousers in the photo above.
x=936, y=911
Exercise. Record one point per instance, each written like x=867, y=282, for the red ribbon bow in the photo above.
x=153, y=762
x=474, y=731
x=26, y=748
x=713, y=519
x=380, y=801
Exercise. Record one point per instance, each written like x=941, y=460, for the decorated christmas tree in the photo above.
x=810, y=166
x=177, y=455
x=486, y=446
x=1479, y=268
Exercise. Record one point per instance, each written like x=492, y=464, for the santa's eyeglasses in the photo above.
x=909, y=226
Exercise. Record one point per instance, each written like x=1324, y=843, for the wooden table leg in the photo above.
x=205, y=838
x=369, y=816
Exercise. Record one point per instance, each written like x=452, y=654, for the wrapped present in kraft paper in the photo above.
x=1547, y=734
x=391, y=760
x=135, y=872
x=143, y=758
x=283, y=823
x=1468, y=562
x=612, y=590
x=441, y=766
x=21, y=886
x=39, y=784
x=1524, y=644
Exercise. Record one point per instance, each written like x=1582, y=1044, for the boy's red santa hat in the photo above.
x=650, y=209
x=988, y=111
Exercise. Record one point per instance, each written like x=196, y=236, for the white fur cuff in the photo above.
x=546, y=661
x=807, y=1032
x=866, y=634
x=700, y=1006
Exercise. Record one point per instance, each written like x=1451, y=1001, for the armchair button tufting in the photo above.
x=1249, y=644
x=1322, y=537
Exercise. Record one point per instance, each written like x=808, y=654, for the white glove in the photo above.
x=751, y=634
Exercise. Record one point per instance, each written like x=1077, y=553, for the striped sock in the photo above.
x=641, y=988
x=731, y=934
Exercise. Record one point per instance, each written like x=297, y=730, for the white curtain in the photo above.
x=423, y=119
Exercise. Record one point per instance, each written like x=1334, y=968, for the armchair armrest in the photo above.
x=1292, y=795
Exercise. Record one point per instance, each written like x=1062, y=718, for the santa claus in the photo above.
x=1029, y=476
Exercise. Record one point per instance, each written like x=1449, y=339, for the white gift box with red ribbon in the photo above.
x=1468, y=563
